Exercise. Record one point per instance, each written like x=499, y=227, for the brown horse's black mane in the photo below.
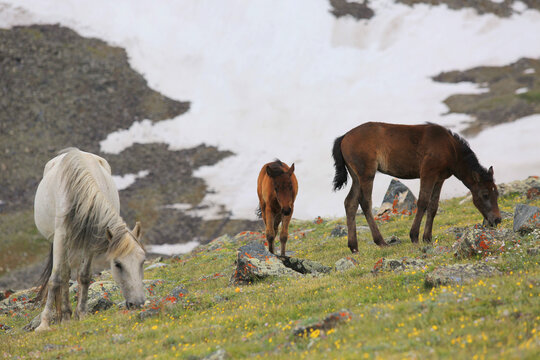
x=468, y=155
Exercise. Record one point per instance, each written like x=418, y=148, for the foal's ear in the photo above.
x=109, y=234
x=137, y=230
x=490, y=170
x=291, y=169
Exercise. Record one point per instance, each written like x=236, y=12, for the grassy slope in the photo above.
x=395, y=315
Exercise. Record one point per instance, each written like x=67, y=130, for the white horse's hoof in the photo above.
x=42, y=327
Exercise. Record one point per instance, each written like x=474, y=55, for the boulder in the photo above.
x=176, y=295
x=346, y=263
x=481, y=241
x=459, y=273
x=329, y=322
x=216, y=355
x=398, y=200
x=396, y=265
x=18, y=301
x=254, y=262
x=4, y=327
x=526, y=218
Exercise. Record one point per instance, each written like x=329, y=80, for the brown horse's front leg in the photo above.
x=284, y=232
x=426, y=189
x=270, y=233
x=432, y=211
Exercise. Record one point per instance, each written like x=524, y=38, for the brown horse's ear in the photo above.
x=137, y=230
x=490, y=171
x=109, y=234
x=291, y=169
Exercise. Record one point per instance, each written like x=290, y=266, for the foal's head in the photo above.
x=283, y=186
x=484, y=193
x=127, y=256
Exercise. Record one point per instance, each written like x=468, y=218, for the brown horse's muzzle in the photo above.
x=286, y=211
x=493, y=223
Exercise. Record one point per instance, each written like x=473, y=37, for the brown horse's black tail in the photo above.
x=340, y=179
x=44, y=278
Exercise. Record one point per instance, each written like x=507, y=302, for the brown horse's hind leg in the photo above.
x=426, y=189
x=270, y=233
x=351, y=206
x=284, y=233
x=432, y=211
x=366, y=185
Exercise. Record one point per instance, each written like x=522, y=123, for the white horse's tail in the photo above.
x=44, y=278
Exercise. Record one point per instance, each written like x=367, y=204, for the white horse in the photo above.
x=77, y=205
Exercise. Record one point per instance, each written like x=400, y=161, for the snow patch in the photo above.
x=529, y=71
x=124, y=181
x=522, y=90
x=172, y=249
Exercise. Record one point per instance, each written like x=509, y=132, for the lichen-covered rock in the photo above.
x=346, y=263
x=522, y=187
x=396, y=265
x=18, y=301
x=100, y=303
x=533, y=250
x=398, y=200
x=526, y=218
x=4, y=327
x=34, y=323
x=481, y=241
x=459, y=273
x=329, y=322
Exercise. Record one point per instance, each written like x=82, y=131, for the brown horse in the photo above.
x=429, y=152
x=277, y=188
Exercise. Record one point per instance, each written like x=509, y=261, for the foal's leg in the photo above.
x=83, y=279
x=66, y=305
x=432, y=211
x=54, y=294
x=366, y=185
x=426, y=189
x=270, y=233
x=284, y=232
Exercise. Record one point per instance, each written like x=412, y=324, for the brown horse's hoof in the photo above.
x=382, y=244
x=354, y=251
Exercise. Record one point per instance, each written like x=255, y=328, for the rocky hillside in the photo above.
x=60, y=89
x=473, y=293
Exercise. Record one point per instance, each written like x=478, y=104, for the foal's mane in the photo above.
x=90, y=213
x=469, y=157
x=276, y=167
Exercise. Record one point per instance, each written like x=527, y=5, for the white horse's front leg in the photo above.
x=54, y=295
x=83, y=279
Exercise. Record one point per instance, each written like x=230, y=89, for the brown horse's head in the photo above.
x=283, y=186
x=484, y=193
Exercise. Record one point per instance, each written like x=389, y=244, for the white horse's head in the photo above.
x=127, y=259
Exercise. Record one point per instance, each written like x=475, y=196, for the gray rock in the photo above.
x=4, y=327
x=254, y=262
x=329, y=322
x=34, y=323
x=345, y=263
x=304, y=266
x=398, y=200
x=397, y=265
x=99, y=304
x=459, y=273
x=521, y=187
x=339, y=231
x=118, y=338
x=17, y=301
x=393, y=240
x=526, y=218
x=148, y=313
x=533, y=250
x=217, y=355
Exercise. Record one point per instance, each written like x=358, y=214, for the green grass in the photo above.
x=395, y=315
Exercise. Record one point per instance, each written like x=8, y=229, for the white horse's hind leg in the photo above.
x=54, y=295
x=83, y=279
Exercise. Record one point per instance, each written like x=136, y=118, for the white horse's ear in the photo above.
x=137, y=230
x=109, y=234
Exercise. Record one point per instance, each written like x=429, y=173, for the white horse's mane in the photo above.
x=90, y=213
